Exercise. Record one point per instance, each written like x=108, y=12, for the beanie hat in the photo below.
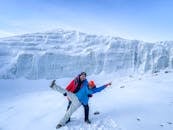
x=91, y=84
x=83, y=73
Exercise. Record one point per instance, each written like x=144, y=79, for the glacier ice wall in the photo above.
x=62, y=53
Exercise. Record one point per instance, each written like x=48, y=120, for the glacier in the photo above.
x=60, y=53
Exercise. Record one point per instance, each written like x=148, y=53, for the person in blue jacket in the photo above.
x=78, y=99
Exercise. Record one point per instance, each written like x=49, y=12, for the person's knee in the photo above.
x=86, y=106
x=70, y=102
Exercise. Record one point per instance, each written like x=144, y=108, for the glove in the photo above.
x=90, y=95
x=65, y=94
x=108, y=84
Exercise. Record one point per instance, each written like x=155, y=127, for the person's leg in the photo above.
x=69, y=104
x=86, y=112
x=57, y=87
x=74, y=106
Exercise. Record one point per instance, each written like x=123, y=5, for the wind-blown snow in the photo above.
x=131, y=103
x=65, y=53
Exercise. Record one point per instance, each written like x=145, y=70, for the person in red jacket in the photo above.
x=74, y=86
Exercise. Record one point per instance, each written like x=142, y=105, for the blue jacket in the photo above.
x=83, y=93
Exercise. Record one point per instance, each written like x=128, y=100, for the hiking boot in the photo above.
x=58, y=126
x=52, y=84
x=68, y=121
x=88, y=121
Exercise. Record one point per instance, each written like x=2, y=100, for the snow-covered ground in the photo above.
x=135, y=102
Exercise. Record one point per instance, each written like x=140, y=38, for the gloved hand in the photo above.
x=90, y=95
x=65, y=94
x=108, y=84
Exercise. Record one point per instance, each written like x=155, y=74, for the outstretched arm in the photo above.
x=99, y=89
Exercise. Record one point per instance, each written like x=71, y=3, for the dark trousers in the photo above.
x=86, y=110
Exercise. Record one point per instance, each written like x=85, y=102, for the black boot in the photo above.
x=52, y=84
x=58, y=126
x=88, y=121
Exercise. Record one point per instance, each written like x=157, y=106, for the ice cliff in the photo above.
x=60, y=53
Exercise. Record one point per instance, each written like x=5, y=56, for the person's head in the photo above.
x=91, y=84
x=82, y=76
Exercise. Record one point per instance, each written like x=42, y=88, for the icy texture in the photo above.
x=66, y=53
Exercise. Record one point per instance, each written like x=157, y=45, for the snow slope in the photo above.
x=54, y=54
x=135, y=102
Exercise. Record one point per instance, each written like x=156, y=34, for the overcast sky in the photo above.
x=148, y=20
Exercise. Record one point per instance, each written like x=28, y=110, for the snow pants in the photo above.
x=73, y=107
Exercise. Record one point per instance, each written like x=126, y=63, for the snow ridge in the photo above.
x=59, y=53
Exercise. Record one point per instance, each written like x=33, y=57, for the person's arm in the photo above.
x=99, y=89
